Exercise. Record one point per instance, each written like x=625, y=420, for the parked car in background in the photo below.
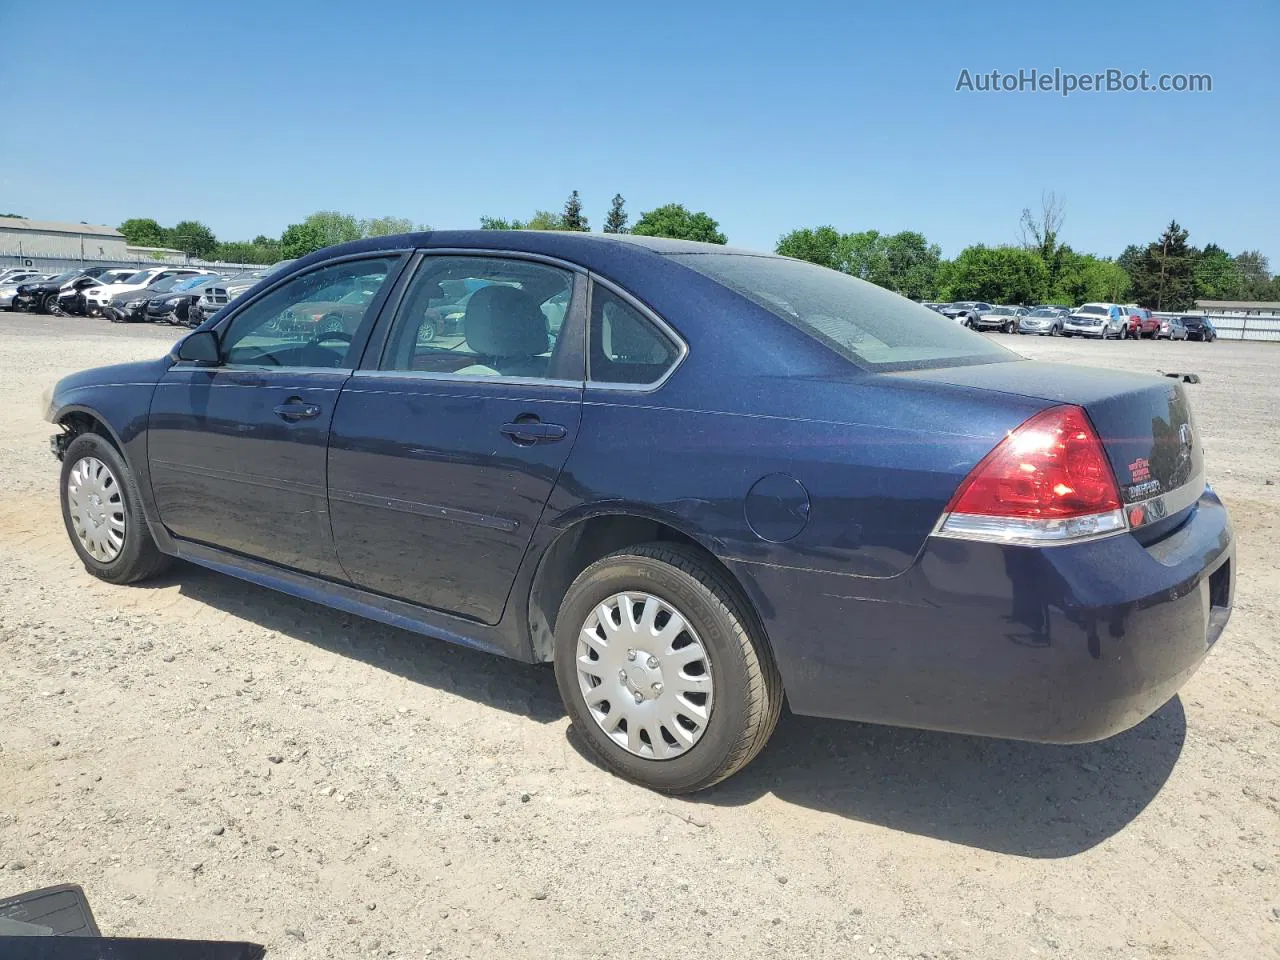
x=965, y=311
x=1043, y=321
x=16, y=275
x=1053, y=569
x=1004, y=319
x=72, y=300
x=215, y=296
x=1200, y=327
x=9, y=290
x=130, y=304
x=1142, y=323
x=175, y=306
x=1101, y=320
x=99, y=297
x=1172, y=328
x=41, y=296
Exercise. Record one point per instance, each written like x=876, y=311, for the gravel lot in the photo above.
x=210, y=759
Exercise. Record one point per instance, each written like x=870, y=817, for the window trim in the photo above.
x=380, y=339
x=682, y=346
x=378, y=304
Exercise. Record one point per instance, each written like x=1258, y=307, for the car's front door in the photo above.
x=237, y=450
x=445, y=449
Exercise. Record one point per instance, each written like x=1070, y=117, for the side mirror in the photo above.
x=200, y=347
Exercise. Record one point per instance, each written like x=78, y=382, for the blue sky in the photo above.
x=248, y=116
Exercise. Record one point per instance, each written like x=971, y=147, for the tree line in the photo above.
x=1168, y=273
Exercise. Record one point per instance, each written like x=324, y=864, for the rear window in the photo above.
x=867, y=325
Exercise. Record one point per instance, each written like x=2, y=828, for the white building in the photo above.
x=44, y=240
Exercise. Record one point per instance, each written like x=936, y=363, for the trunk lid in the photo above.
x=1144, y=423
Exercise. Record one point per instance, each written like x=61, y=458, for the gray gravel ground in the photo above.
x=210, y=759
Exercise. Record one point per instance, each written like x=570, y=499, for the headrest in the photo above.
x=502, y=321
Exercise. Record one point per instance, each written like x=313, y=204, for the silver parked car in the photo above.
x=9, y=286
x=1004, y=319
x=1043, y=321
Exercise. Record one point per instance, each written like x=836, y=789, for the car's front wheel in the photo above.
x=663, y=670
x=102, y=510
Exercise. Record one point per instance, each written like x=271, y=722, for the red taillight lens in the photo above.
x=1053, y=467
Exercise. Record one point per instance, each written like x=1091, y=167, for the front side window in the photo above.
x=308, y=321
x=625, y=347
x=869, y=326
x=484, y=317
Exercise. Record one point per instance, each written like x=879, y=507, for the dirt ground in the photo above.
x=210, y=759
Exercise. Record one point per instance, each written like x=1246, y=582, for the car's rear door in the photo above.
x=237, y=451
x=445, y=446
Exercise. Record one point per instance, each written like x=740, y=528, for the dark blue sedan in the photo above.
x=698, y=480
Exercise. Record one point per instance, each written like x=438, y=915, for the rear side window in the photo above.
x=871, y=327
x=625, y=346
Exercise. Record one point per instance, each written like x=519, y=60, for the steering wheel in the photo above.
x=339, y=335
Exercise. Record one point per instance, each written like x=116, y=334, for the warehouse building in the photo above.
x=45, y=240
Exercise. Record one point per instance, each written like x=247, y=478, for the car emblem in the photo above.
x=1184, y=434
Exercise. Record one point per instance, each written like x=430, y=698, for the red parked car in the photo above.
x=1141, y=323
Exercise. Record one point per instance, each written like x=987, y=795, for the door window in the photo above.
x=308, y=321
x=626, y=347
x=484, y=317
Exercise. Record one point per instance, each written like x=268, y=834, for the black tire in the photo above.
x=748, y=688
x=49, y=304
x=139, y=558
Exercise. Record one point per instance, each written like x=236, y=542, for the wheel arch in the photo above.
x=75, y=420
x=596, y=534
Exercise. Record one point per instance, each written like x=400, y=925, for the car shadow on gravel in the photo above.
x=1028, y=799
x=498, y=682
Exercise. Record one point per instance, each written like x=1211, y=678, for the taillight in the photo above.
x=1047, y=482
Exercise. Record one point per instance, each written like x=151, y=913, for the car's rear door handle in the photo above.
x=534, y=431
x=296, y=409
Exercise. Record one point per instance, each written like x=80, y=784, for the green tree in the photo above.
x=193, y=238
x=1217, y=276
x=676, y=221
x=334, y=227
x=541, y=220
x=143, y=232
x=1256, y=282
x=997, y=275
x=500, y=223
x=1083, y=278
x=388, y=226
x=545, y=220
x=911, y=264
x=821, y=245
x=866, y=255
x=299, y=239
x=572, y=219
x=242, y=252
x=1164, y=276
x=616, y=221
x=1039, y=232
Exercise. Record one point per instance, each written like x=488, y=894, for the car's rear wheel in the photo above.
x=664, y=672
x=102, y=511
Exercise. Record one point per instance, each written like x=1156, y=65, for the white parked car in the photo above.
x=97, y=297
x=1101, y=320
x=18, y=275
x=9, y=286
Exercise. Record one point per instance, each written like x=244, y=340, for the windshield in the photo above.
x=1004, y=311
x=188, y=283
x=1092, y=310
x=1044, y=312
x=866, y=324
x=142, y=276
x=167, y=284
x=64, y=277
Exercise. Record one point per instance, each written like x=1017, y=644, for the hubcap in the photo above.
x=645, y=675
x=96, y=507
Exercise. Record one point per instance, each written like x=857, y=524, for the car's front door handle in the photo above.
x=534, y=431
x=296, y=409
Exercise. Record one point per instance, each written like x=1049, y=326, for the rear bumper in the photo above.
x=1060, y=644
